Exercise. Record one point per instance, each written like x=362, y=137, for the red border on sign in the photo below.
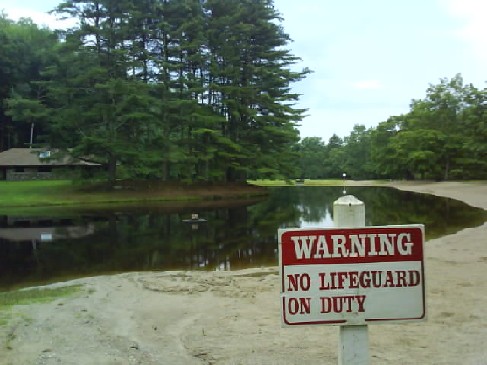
x=288, y=257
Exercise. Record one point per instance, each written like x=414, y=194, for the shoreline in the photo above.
x=234, y=317
x=63, y=194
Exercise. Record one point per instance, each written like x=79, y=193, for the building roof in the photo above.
x=39, y=157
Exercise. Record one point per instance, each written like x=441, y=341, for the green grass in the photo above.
x=35, y=295
x=46, y=193
x=264, y=182
x=32, y=296
x=328, y=182
x=306, y=182
x=41, y=193
x=22, y=193
x=65, y=193
x=317, y=182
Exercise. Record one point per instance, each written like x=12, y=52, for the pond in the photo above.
x=36, y=248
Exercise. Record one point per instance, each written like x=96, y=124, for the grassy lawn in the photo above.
x=48, y=193
x=306, y=182
x=64, y=193
x=35, y=193
x=263, y=182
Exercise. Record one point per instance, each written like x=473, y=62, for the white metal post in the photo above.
x=353, y=347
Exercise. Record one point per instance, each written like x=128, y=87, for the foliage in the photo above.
x=312, y=157
x=190, y=91
x=24, y=52
x=180, y=90
x=63, y=194
x=444, y=136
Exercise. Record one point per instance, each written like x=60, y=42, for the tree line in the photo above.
x=200, y=90
x=186, y=90
x=442, y=137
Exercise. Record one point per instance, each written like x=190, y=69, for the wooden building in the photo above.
x=39, y=163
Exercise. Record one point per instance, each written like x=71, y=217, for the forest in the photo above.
x=183, y=90
x=201, y=91
x=442, y=137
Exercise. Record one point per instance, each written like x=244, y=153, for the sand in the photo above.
x=234, y=317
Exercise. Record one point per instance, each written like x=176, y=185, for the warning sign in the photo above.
x=352, y=276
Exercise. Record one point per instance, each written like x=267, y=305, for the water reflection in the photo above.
x=41, y=229
x=36, y=248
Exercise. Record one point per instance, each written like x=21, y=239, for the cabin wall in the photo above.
x=28, y=173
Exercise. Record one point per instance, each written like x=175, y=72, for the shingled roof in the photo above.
x=39, y=157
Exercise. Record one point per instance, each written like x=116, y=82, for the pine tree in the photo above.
x=250, y=80
x=178, y=89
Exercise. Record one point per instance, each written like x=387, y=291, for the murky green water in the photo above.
x=37, y=248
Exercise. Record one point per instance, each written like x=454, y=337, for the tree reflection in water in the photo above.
x=237, y=234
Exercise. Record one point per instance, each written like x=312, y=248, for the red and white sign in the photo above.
x=352, y=276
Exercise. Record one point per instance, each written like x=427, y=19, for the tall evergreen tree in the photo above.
x=174, y=89
x=250, y=79
x=111, y=108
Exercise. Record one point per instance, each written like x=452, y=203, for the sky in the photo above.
x=369, y=58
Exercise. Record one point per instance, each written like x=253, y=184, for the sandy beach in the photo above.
x=234, y=317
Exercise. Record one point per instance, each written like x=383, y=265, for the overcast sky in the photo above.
x=370, y=57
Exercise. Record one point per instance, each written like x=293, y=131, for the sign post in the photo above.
x=352, y=276
x=353, y=344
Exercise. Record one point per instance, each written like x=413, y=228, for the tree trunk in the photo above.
x=447, y=169
x=112, y=169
